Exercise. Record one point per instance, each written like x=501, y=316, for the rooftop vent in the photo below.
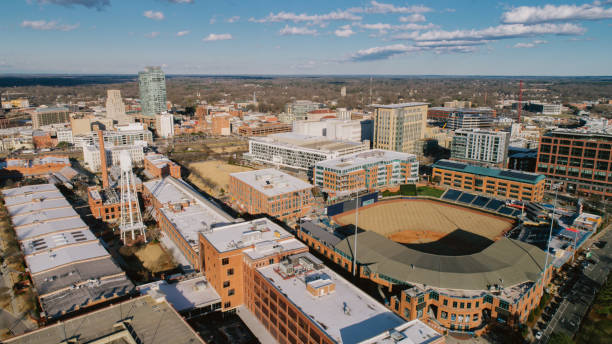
x=396, y=336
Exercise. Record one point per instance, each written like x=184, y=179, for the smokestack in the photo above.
x=103, y=160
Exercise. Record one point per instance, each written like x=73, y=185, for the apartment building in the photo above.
x=271, y=192
x=152, y=88
x=370, y=170
x=493, y=181
x=164, y=125
x=443, y=113
x=481, y=147
x=91, y=155
x=398, y=127
x=49, y=115
x=580, y=160
x=333, y=129
x=263, y=129
x=299, y=151
x=468, y=121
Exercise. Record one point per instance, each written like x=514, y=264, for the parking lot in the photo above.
x=577, y=288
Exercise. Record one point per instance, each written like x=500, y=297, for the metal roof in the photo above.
x=518, y=176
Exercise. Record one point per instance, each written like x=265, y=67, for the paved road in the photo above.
x=582, y=293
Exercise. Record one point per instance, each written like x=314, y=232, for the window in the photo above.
x=434, y=296
x=230, y=292
x=227, y=305
x=230, y=271
x=271, y=261
x=504, y=304
x=407, y=298
x=469, y=305
x=462, y=305
x=224, y=261
x=454, y=304
x=475, y=317
x=226, y=284
x=445, y=302
x=477, y=304
x=444, y=315
x=453, y=317
x=488, y=299
x=407, y=313
x=421, y=299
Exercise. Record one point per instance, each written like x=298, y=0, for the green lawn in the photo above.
x=412, y=190
x=428, y=191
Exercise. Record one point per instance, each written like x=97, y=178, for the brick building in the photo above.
x=580, y=160
x=264, y=129
x=43, y=139
x=34, y=167
x=271, y=192
x=493, y=181
x=159, y=166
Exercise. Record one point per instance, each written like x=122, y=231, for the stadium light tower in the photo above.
x=131, y=218
x=552, y=221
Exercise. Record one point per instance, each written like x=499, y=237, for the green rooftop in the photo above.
x=517, y=176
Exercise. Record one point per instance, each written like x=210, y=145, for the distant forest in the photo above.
x=273, y=92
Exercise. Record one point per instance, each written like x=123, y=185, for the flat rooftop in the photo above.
x=399, y=106
x=301, y=141
x=39, y=229
x=412, y=332
x=184, y=295
x=56, y=240
x=148, y=322
x=272, y=182
x=63, y=255
x=37, y=161
x=159, y=160
x=513, y=175
x=348, y=315
x=374, y=156
x=244, y=234
x=27, y=190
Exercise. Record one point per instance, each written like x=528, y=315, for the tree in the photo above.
x=560, y=338
x=63, y=145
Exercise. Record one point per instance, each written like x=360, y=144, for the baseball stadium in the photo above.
x=448, y=265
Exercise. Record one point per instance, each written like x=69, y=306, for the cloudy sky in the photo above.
x=476, y=37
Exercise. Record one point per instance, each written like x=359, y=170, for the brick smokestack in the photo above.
x=103, y=160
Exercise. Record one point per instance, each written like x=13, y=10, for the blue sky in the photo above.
x=475, y=37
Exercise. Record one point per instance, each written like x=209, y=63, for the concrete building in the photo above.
x=468, y=121
x=159, y=166
x=164, y=125
x=481, y=147
x=19, y=103
x=152, y=87
x=69, y=267
x=271, y=192
x=503, y=282
x=263, y=129
x=578, y=159
x=343, y=91
x=493, y=181
x=117, y=138
x=181, y=213
x=49, y=115
x=149, y=320
x=398, y=127
x=91, y=154
x=333, y=129
x=543, y=108
x=115, y=109
x=299, y=151
x=370, y=170
x=458, y=104
x=64, y=135
x=441, y=114
x=343, y=113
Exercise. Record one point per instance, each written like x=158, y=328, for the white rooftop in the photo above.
x=374, y=156
x=30, y=196
x=24, y=190
x=64, y=255
x=272, y=182
x=38, y=229
x=309, y=142
x=37, y=205
x=348, y=315
x=412, y=332
x=37, y=161
x=55, y=240
x=159, y=160
x=184, y=295
x=262, y=233
x=44, y=216
x=400, y=105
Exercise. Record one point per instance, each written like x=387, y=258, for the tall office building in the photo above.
x=115, y=109
x=164, y=125
x=484, y=147
x=152, y=86
x=398, y=127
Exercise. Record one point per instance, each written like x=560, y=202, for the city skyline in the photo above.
x=271, y=37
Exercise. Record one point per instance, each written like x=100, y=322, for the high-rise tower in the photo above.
x=131, y=218
x=152, y=86
x=115, y=109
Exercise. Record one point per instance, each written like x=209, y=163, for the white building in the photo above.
x=343, y=113
x=115, y=109
x=333, y=129
x=118, y=138
x=64, y=135
x=480, y=146
x=165, y=125
x=91, y=154
x=299, y=151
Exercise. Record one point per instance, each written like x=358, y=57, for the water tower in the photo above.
x=131, y=218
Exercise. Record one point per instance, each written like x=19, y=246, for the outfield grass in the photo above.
x=428, y=191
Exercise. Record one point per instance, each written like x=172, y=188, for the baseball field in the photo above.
x=417, y=221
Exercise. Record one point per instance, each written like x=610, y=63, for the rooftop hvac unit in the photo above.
x=396, y=336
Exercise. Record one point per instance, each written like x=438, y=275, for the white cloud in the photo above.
x=382, y=8
x=183, y=33
x=389, y=51
x=502, y=32
x=344, y=31
x=153, y=34
x=233, y=19
x=435, y=44
x=181, y=1
x=550, y=13
x=413, y=18
x=97, y=4
x=377, y=26
x=386, y=26
x=303, y=17
x=217, y=37
x=44, y=25
x=530, y=44
x=153, y=15
x=294, y=30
